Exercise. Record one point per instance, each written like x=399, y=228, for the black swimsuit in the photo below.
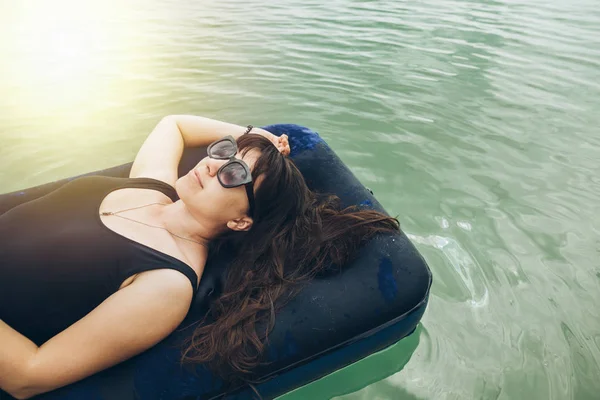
x=58, y=261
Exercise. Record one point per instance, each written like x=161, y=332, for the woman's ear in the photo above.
x=240, y=224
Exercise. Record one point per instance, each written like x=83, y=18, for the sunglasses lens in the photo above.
x=233, y=174
x=222, y=149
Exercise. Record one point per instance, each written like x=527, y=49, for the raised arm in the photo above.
x=127, y=323
x=160, y=154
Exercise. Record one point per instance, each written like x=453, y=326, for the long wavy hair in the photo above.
x=296, y=235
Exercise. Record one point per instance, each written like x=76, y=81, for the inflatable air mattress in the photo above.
x=338, y=318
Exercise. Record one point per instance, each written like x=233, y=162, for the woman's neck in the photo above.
x=177, y=219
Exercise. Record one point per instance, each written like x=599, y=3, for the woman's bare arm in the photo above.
x=160, y=154
x=15, y=352
x=128, y=322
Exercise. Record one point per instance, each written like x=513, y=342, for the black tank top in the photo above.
x=58, y=261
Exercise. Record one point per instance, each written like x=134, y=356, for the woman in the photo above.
x=87, y=266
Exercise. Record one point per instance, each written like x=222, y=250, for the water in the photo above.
x=476, y=122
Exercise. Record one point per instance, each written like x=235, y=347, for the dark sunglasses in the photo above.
x=234, y=172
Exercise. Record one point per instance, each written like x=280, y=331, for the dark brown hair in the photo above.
x=296, y=235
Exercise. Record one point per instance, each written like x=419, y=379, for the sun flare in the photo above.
x=57, y=53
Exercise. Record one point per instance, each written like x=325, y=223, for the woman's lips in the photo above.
x=197, y=175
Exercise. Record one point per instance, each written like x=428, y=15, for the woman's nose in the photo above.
x=214, y=165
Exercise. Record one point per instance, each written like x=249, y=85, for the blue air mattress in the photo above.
x=336, y=320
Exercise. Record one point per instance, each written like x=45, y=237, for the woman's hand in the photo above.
x=281, y=142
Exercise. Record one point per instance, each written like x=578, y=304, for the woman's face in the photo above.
x=210, y=202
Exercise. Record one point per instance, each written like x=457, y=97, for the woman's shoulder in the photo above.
x=173, y=277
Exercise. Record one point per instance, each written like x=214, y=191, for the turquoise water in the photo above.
x=476, y=122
